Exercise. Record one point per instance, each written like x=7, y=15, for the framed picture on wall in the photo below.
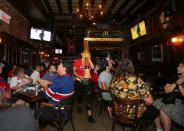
x=26, y=56
x=157, y=53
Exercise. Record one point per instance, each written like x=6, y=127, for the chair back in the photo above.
x=128, y=112
x=67, y=105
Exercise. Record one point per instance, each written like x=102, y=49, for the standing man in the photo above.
x=83, y=85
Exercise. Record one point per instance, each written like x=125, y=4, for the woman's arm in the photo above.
x=104, y=86
x=91, y=64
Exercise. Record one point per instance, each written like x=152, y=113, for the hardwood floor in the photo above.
x=103, y=122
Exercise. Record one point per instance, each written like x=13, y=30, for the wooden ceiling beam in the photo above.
x=70, y=6
x=127, y=12
x=149, y=6
x=59, y=6
x=81, y=4
x=111, y=7
x=122, y=7
x=41, y=7
x=93, y=3
x=103, y=3
x=48, y=6
x=71, y=23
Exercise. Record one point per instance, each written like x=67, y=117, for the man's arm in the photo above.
x=44, y=84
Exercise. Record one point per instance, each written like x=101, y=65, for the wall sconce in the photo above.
x=177, y=40
x=0, y=40
x=41, y=52
x=46, y=55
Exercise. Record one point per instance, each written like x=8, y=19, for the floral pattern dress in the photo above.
x=129, y=88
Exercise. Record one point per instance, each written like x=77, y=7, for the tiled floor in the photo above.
x=103, y=122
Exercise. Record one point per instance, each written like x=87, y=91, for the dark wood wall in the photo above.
x=15, y=51
x=144, y=49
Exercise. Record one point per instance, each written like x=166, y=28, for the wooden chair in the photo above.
x=62, y=117
x=127, y=113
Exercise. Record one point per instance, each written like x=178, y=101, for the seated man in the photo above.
x=62, y=87
x=6, y=99
x=19, y=80
x=51, y=73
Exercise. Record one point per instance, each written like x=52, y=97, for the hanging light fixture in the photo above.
x=89, y=12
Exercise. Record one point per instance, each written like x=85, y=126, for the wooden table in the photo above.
x=31, y=97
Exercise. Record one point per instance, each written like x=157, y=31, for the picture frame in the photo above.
x=26, y=56
x=157, y=53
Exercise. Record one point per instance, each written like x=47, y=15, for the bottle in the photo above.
x=36, y=90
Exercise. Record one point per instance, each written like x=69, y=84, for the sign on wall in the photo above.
x=4, y=17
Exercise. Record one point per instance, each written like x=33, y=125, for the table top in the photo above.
x=30, y=96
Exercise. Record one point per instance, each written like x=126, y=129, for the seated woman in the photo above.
x=172, y=111
x=19, y=80
x=127, y=86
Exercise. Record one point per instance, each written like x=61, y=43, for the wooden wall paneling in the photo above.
x=2, y=46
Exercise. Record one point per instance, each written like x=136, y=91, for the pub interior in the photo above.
x=83, y=65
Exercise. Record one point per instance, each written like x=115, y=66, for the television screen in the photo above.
x=39, y=34
x=138, y=30
x=58, y=51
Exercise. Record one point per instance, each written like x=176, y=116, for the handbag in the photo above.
x=169, y=98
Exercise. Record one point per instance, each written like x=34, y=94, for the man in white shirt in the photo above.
x=19, y=80
x=36, y=74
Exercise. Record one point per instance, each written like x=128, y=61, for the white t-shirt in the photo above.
x=14, y=81
x=104, y=77
x=35, y=76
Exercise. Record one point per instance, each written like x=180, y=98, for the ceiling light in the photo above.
x=89, y=12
